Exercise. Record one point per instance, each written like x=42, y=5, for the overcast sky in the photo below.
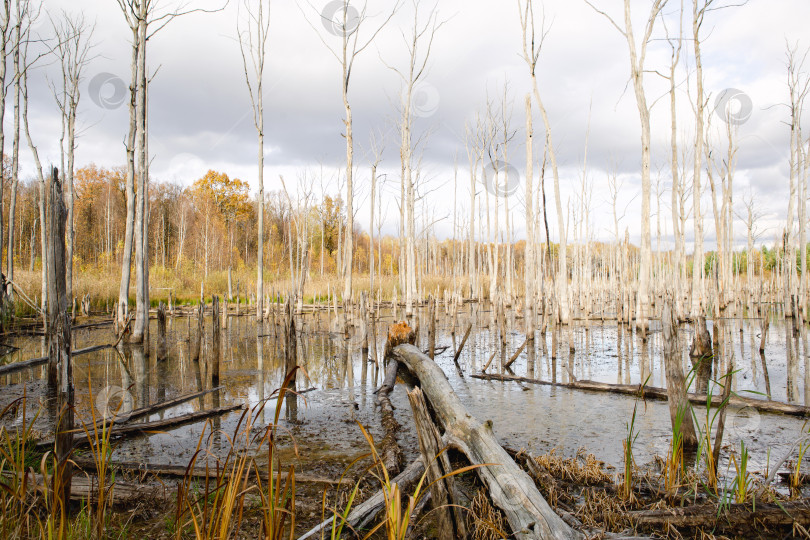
x=200, y=116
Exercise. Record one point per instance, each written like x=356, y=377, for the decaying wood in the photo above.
x=196, y=350
x=85, y=488
x=363, y=514
x=391, y=454
x=721, y=421
x=461, y=345
x=215, y=347
x=491, y=358
x=676, y=383
x=516, y=354
x=734, y=516
x=162, y=345
x=764, y=323
x=652, y=392
x=157, y=425
x=701, y=355
x=181, y=471
x=126, y=416
x=510, y=488
x=60, y=365
x=431, y=327
x=34, y=362
x=451, y=522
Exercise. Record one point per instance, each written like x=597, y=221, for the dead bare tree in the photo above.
x=73, y=43
x=140, y=15
x=419, y=41
x=25, y=64
x=529, y=264
x=532, y=45
x=253, y=44
x=377, y=148
x=6, y=48
x=638, y=53
x=345, y=21
x=798, y=88
x=676, y=46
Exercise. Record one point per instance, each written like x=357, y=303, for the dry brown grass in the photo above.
x=102, y=284
x=603, y=510
x=583, y=469
x=484, y=520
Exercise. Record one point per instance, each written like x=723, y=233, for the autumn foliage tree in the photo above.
x=222, y=202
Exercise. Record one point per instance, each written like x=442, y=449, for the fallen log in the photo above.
x=491, y=358
x=517, y=353
x=181, y=471
x=97, y=324
x=652, y=392
x=120, y=417
x=733, y=516
x=85, y=488
x=34, y=362
x=157, y=425
x=510, y=487
x=461, y=345
x=391, y=454
x=363, y=514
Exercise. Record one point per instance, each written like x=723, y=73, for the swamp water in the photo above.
x=319, y=429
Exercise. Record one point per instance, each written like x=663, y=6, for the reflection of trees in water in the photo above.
x=255, y=367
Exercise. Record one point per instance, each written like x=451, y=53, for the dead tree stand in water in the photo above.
x=60, y=369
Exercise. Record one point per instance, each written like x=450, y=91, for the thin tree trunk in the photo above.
x=129, y=230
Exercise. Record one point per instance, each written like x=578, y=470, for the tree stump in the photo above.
x=60, y=367
x=679, y=407
x=701, y=355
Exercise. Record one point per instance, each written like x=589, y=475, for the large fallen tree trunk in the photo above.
x=510, y=488
x=652, y=392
